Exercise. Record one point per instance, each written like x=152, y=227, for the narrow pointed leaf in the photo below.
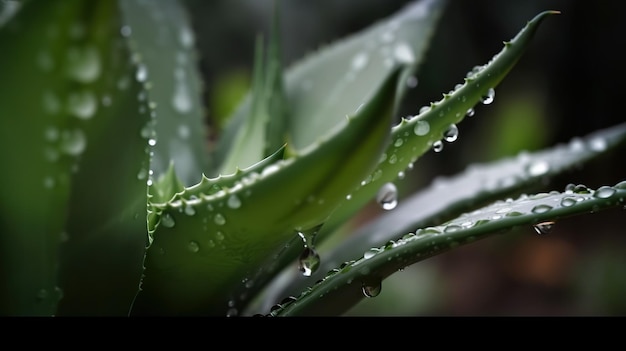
x=448, y=198
x=411, y=138
x=203, y=245
x=163, y=44
x=357, y=279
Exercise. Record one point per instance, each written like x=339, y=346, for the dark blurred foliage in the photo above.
x=568, y=83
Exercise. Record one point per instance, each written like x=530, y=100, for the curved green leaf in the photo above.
x=203, y=245
x=342, y=288
x=449, y=197
x=163, y=47
x=413, y=137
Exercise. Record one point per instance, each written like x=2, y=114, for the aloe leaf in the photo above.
x=265, y=129
x=342, y=288
x=203, y=246
x=413, y=137
x=334, y=81
x=66, y=117
x=162, y=41
x=447, y=198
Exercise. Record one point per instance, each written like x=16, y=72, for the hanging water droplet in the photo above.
x=167, y=220
x=488, y=97
x=387, y=196
x=219, y=219
x=451, y=134
x=233, y=201
x=82, y=105
x=421, y=128
x=73, y=142
x=438, y=146
x=309, y=261
x=470, y=112
x=372, y=287
x=543, y=227
x=538, y=168
x=604, y=192
x=193, y=246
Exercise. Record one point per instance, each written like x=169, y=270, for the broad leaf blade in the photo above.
x=339, y=291
x=203, y=245
x=334, y=81
x=163, y=44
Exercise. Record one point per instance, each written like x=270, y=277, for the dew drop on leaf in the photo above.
x=538, y=168
x=451, y=134
x=371, y=288
x=167, y=220
x=219, y=219
x=488, y=97
x=359, y=61
x=73, y=142
x=126, y=31
x=142, y=73
x=438, y=146
x=542, y=208
x=233, y=202
x=193, y=246
x=421, y=128
x=387, y=196
x=568, y=201
x=309, y=261
x=604, y=192
x=543, y=227
x=84, y=64
x=82, y=104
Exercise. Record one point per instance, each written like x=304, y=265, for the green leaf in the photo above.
x=413, y=137
x=73, y=230
x=360, y=278
x=450, y=197
x=163, y=47
x=203, y=245
x=334, y=81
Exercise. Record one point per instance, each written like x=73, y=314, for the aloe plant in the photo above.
x=115, y=203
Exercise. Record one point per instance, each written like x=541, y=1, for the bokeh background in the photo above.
x=569, y=83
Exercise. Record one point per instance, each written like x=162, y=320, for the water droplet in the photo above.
x=451, y=134
x=604, y=192
x=438, y=146
x=167, y=220
x=538, y=168
x=421, y=128
x=309, y=261
x=372, y=287
x=189, y=210
x=488, y=97
x=411, y=82
x=126, y=31
x=73, y=142
x=568, y=201
x=82, y=105
x=152, y=141
x=393, y=159
x=542, y=208
x=142, y=73
x=543, y=227
x=470, y=112
x=359, y=61
x=403, y=53
x=84, y=64
x=48, y=182
x=370, y=253
x=193, y=246
x=597, y=144
x=219, y=219
x=181, y=100
x=398, y=142
x=233, y=201
x=387, y=196
x=581, y=189
x=184, y=131
x=186, y=37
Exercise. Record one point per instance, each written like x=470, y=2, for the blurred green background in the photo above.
x=569, y=83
